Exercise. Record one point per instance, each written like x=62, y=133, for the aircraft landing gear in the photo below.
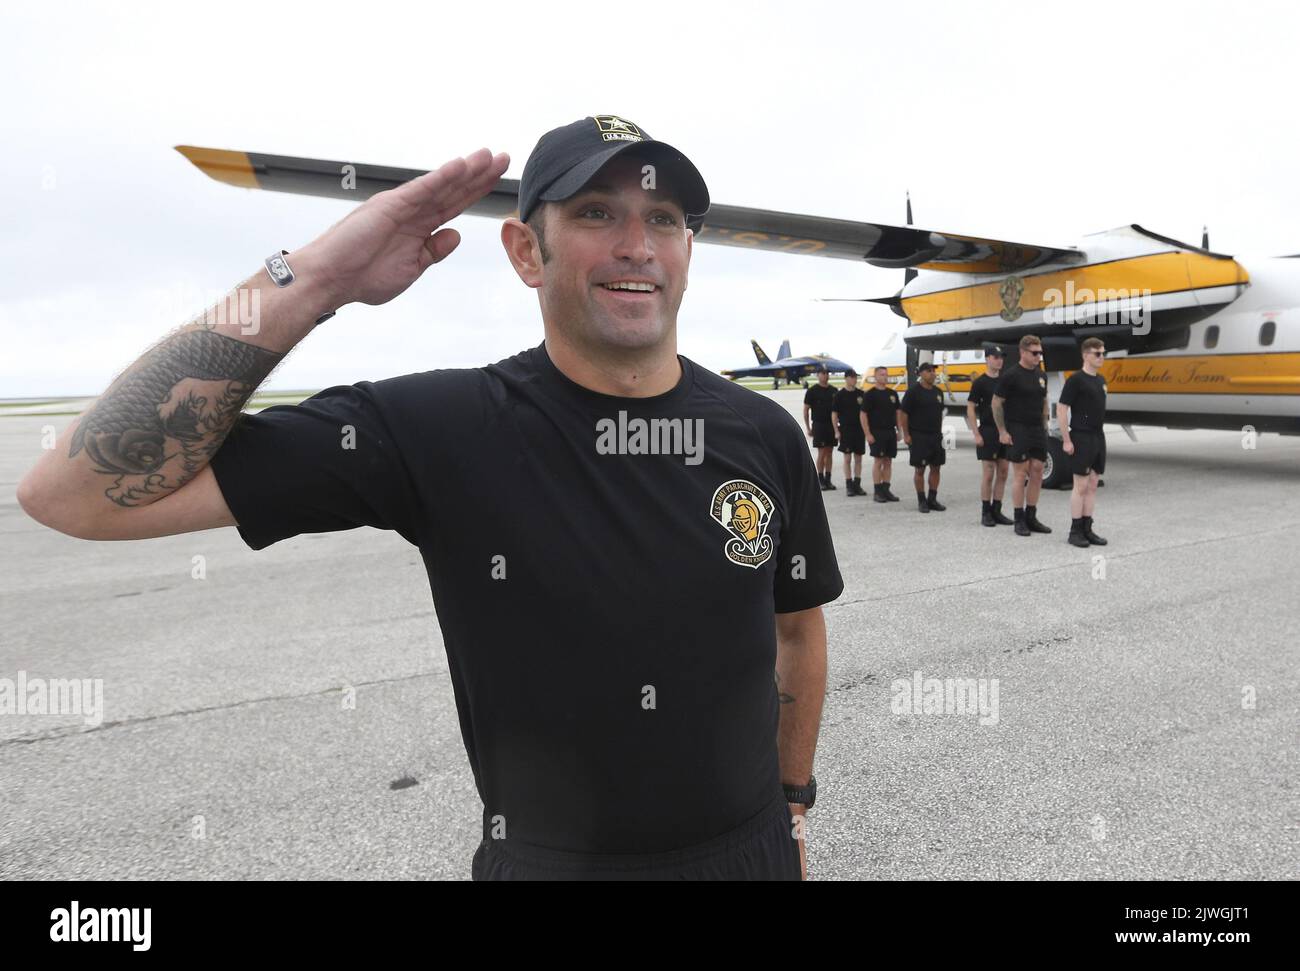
x=1056, y=470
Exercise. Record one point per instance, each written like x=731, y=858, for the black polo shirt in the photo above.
x=981, y=394
x=1085, y=394
x=924, y=408
x=819, y=401
x=606, y=580
x=849, y=405
x=881, y=406
x=1024, y=391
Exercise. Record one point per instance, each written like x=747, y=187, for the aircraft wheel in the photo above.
x=1056, y=470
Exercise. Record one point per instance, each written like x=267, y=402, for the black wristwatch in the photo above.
x=802, y=795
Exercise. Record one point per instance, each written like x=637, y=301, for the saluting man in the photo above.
x=603, y=746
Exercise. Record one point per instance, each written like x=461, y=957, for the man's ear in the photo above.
x=686, y=279
x=524, y=251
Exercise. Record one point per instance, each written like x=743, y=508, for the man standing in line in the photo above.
x=820, y=426
x=1020, y=412
x=990, y=451
x=1081, y=412
x=880, y=423
x=921, y=418
x=853, y=440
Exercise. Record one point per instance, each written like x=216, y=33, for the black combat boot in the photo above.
x=998, y=518
x=1076, y=537
x=1092, y=537
x=888, y=494
x=933, y=502
x=1022, y=527
x=921, y=503
x=829, y=485
x=879, y=495
x=986, y=514
x=1031, y=519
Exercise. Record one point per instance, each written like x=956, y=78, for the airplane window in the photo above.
x=1187, y=337
x=1267, y=332
x=1212, y=335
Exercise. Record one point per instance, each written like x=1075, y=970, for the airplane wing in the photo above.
x=763, y=229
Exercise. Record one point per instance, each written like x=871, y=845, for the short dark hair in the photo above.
x=881, y=367
x=1028, y=341
x=1092, y=344
x=536, y=221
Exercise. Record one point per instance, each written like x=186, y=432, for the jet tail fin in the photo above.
x=784, y=352
x=758, y=352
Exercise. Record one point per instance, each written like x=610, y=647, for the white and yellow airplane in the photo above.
x=1194, y=338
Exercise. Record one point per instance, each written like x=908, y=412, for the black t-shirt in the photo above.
x=924, y=409
x=1025, y=391
x=819, y=401
x=981, y=394
x=1086, y=396
x=881, y=406
x=575, y=567
x=849, y=405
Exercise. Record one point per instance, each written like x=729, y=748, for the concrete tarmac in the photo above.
x=1145, y=724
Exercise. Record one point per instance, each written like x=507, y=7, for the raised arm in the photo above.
x=123, y=466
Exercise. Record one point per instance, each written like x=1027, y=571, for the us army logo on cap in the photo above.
x=615, y=129
x=745, y=511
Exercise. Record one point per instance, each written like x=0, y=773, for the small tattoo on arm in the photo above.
x=781, y=696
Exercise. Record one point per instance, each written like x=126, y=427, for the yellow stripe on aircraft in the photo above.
x=1157, y=272
x=233, y=168
x=1271, y=373
x=1276, y=373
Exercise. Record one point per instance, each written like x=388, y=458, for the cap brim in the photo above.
x=694, y=194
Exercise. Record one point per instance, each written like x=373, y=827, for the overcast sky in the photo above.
x=1035, y=122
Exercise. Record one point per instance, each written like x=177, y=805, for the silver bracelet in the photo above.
x=278, y=269
x=281, y=275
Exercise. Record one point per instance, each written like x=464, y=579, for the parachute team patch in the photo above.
x=745, y=511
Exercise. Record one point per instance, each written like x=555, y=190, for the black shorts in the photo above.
x=763, y=848
x=1027, y=442
x=927, y=449
x=886, y=444
x=853, y=440
x=1089, y=453
x=823, y=434
x=992, y=447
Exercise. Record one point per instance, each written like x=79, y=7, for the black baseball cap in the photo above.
x=927, y=366
x=850, y=373
x=994, y=350
x=565, y=159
